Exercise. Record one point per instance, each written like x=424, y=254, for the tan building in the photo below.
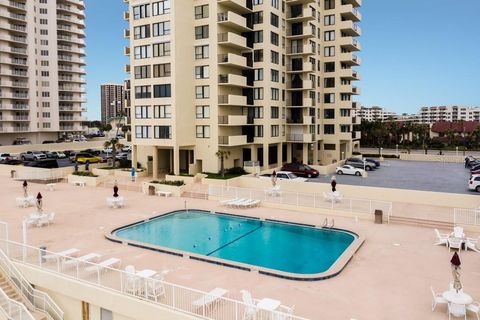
x=112, y=101
x=41, y=69
x=267, y=81
x=375, y=114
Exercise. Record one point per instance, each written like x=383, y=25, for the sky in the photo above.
x=414, y=52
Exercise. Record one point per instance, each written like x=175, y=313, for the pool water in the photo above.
x=279, y=246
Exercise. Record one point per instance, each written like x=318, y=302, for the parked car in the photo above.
x=375, y=162
x=127, y=149
x=83, y=157
x=21, y=141
x=46, y=163
x=92, y=152
x=474, y=183
x=122, y=156
x=301, y=170
x=56, y=155
x=32, y=155
x=12, y=162
x=348, y=169
x=48, y=142
x=284, y=175
x=360, y=163
x=5, y=156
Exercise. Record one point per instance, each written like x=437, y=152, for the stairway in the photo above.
x=422, y=222
x=13, y=294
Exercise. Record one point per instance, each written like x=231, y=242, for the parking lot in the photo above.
x=412, y=175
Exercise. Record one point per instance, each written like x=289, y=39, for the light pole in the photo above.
x=381, y=153
x=456, y=151
x=343, y=155
x=396, y=149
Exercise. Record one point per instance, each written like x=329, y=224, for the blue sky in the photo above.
x=414, y=52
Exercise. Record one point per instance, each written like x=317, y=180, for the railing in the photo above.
x=311, y=200
x=40, y=300
x=466, y=216
x=176, y=297
x=13, y=309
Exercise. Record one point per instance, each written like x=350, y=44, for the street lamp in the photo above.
x=381, y=153
x=396, y=149
x=456, y=151
x=343, y=155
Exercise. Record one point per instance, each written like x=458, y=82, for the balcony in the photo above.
x=300, y=137
x=126, y=16
x=14, y=84
x=355, y=90
x=70, y=9
x=232, y=100
x=232, y=120
x=13, y=5
x=239, y=6
x=349, y=44
x=14, y=50
x=302, y=120
x=350, y=28
x=349, y=74
x=299, y=33
x=232, y=141
x=293, y=2
x=300, y=50
x=232, y=60
x=299, y=68
x=344, y=135
x=300, y=85
x=349, y=12
x=126, y=33
x=355, y=3
x=232, y=80
x=71, y=19
x=350, y=59
x=305, y=103
x=300, y=16
x=233, y=21
x=16, y=16
x=233, y=40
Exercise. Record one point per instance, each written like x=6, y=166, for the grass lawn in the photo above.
x=219, y=176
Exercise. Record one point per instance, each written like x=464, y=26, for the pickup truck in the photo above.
x=284, y=175
x=33, y=155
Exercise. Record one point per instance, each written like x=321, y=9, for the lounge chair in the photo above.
x=437, y=299
x=475, y=308
x=285, y=313
x=211, y=298
x=103, y=266
x=225, y=202
x=455, y=243
x=246, y=203
x=65, y=253
x=457, y=311
x=471, y=244
x=458, y=232
x=46, y=220
x=250, y=305
x=91, y=257
x=442, y=238
x=235, y=202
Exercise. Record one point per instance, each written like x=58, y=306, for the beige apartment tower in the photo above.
x=112, y=101
x=267, y=80
x=41, y=69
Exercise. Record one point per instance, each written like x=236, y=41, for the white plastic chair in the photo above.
x=250, y=308
x=155, y=287
x=458, y=232
x=455, y=243
x=132, y=282
x=471, y=244
x=457, y=311
x=286, y=313
x=442, y=238
x=475, y=308
x=437, y=299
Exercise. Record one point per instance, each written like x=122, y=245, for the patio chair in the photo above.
x=103, y=266
x=458, y=232
x=437, y=299
x=475, y=308
x=156, y=287
x=65, y=253
x=442, y=238
x=235, y=202
x=210, y=299
x=471, y=244
x=91, y=257
x=250, y=307
x=455, y=243
x=225, y=202
x=457, y=311
x=132, y=282
x=285, y=313
x=46, y=220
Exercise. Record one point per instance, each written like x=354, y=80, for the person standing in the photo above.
x=334, y=184
x=133, y=174
x=76, y=166
x=87, y=165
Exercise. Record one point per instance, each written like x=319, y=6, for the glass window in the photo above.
x=161, y=7
x=161, y=70
x=162, y=132
x=201, y=12
x=161, y=28
x=201, y=32
x=202, y=92
x=162, y=90
x=162, y=111
x=201, y=52
x=203, y=131
x=203, y=112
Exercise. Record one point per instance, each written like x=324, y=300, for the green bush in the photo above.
x=84, y=174
x=235, y=170
x=176, y=183
x=356, y=153
x=107, y=168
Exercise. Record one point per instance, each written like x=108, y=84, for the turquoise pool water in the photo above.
x=279, y=246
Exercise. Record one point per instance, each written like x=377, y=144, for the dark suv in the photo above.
x=361, y=164
x=301, y=170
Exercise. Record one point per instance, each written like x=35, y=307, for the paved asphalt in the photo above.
x=412, y=175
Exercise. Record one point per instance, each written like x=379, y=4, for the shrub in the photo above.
x=176, y=183
x=356, y=153
x=236, y=170
x=84, y=174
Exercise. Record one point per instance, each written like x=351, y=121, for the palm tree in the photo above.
x=475, y=136
x=115, y=145
x=222, y=155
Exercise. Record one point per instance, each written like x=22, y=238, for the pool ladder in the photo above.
x=328, y=226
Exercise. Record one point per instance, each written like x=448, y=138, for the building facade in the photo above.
x=448, y=113
x=112, y=101
x=268, y=81
x=41, y=69
x=375, y=114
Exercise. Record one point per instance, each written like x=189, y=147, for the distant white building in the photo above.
x=375, y=113
x=448, y=113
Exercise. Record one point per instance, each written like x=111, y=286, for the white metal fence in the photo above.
x=13, y=309
x=176, y=297
x=466, y=216
x=311, y=200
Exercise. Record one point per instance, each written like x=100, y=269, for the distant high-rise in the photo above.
x=41, y=69
x=113, y=101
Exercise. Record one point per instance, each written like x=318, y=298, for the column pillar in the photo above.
x=134, y=156
x=265, y=156
x=254, y=150
x=176, y=160
x=305, y=153
x=289, y=152
x=155, y=163
x=279, y=154
x=315, y=153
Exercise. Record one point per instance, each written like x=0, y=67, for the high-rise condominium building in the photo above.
x=375, y=114
x=41, y=69
x=264, y=80
x=112, y=101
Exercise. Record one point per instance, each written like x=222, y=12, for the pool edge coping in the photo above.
x=337, y=267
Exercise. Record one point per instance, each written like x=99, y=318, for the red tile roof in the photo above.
x=459, y=126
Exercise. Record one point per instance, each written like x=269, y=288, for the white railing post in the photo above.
x=370, y=211
x=173, y=296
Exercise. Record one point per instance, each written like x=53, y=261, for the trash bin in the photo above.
x=43, y=252
x=378, y=216
x=12, y=173
x=151, y=190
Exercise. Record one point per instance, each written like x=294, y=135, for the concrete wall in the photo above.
x=432, y=157
x=55, y=146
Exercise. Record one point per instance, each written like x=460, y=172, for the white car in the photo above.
x=5, y=156
x=127, y=149
x=347, y=169
x=474, y=183
x=284, y=175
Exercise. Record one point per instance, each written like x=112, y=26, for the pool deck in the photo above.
x=388, y=278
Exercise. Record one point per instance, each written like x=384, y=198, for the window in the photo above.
x=161, y=28
x=257, y=93
x=344, y=112
x=258, y=36
x=344, y=128
x=257, y=2
x=329, y=98
x=162, y=111
x=203, y=131
x=329, y=113
x=258, y=55
x=258, y=131
x=142, y=72
x=106, y=314
x=258, y=75
x=274, y=38
x=201, y=32
x=329, y=20
x=274, y=111
x=142, y=132
x=141, y=11
x=275, y=94
x=329, y=36
x=274, y=75
x=201, y=52
x=329, y=83
x=257, y=17
x=161, y=49
x=142, y=52
x=162, y=90
x=142, y=32
x=160, y=7
x=275, y=4
x=161, y=70
x=203, y=112
x=329, y=146
x=201, y=12
x=258, y=112
x=329, y=51
x=274, y=130
x=329, y=4
x=274, y=57
x=143, y=92
x=329, y=67
x=202, y=92
x=274, y=20
x=46, y=125
x=142, y=112
x=201, y=72
x=162, y=132
x=329, y=129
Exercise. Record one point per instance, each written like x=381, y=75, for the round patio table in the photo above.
x=457, y=297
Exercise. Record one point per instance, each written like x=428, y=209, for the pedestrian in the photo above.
x=87, y=165
x=466, y=162
x=334, y=184
x=133, y=174
x=76, y=166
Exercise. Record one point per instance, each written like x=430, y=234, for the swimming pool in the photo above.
x=270, y=246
